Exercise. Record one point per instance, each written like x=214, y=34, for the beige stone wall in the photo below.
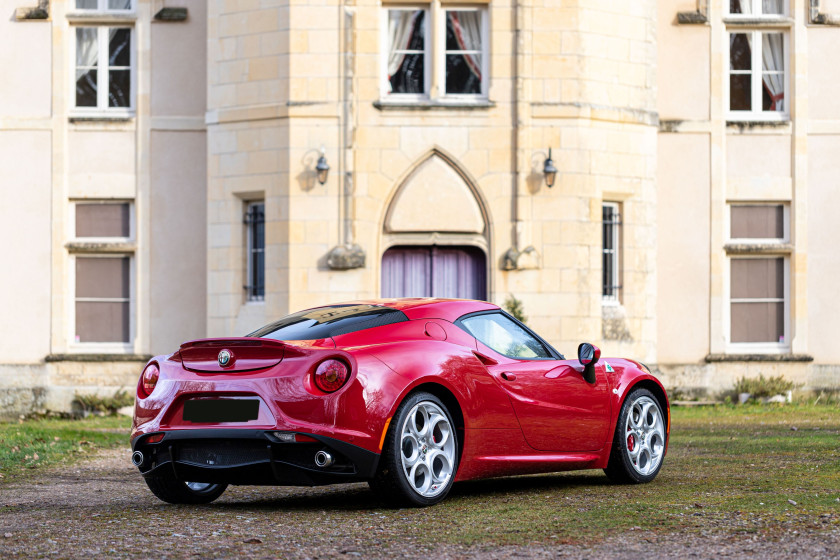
x=594, y=107
x=711, y=164
x=154, y=160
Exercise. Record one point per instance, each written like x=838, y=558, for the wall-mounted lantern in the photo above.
x=549, y=170
x=322, y=167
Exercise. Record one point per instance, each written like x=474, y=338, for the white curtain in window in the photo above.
x=746, y=6
x=467, y=27
x=87, y=47
x=400, y=27
x=772, y=52
x=770, y=7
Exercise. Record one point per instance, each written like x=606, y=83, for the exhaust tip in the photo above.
x=137, y=458
x=323, y=459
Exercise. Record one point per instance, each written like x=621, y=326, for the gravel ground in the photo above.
x=102, y=508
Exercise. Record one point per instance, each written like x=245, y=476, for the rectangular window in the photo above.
x=103, y=68
x=758, y=300
x=103, y=299
x=105, y=5
x=763, y=222
x=611, y=252
x=106, y=219
x=757, y=8
x=407, y=65
x=458, y=67
x=757, y=75
x=465, y=42
x=255, y=224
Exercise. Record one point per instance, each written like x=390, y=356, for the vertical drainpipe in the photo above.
x=517, y=96
x=511, y=256
x=346, y=255
x=348, y=124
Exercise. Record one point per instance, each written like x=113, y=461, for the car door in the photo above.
x=557, y=408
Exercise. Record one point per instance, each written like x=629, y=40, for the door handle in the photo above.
x=507, y=376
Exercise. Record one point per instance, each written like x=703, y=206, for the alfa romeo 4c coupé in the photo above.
x=410, y=395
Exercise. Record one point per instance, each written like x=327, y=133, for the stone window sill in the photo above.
x=100, y=117
x=432, y=105
x=713, y=358
x=758, y=248
x=98, y=358
x=101, y=17
x=101, y=247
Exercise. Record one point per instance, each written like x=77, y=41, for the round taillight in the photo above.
x=331, y=375
x=148, y=380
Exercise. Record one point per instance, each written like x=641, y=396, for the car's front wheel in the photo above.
x=420, y=456
x=170, y=489
x=639, y=441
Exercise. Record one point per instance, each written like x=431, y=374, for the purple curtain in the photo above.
x=450, y=272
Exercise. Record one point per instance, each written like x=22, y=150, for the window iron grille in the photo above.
x=611, y=285
x=254, y=220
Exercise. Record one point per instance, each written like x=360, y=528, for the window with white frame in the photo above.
x=446, y=60
x=463, y=69
x=103, y=79
x=407, y=69
x=102, y=275
x=611, y=263
x=759, y=281
x=255, y=251
x=109, y=6
x=757, y=8
x=752, y=223
x=758, y=295
x=758, y=80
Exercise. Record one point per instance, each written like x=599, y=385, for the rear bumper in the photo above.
x=253, y=457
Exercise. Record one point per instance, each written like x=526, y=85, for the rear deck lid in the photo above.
x=227, y=355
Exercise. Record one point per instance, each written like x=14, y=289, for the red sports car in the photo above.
x=409, y=395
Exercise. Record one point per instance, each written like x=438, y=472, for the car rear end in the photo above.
x=255, y=411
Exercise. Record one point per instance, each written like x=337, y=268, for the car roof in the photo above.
x=429, y=308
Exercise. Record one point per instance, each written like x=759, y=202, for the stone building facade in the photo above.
x=687, y=226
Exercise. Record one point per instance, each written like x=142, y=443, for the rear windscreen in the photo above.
x=326, y=322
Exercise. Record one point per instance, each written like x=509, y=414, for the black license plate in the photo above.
x=221, y=410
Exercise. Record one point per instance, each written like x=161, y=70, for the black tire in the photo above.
x=648, y=441
x=174, y=491
x=436, y=453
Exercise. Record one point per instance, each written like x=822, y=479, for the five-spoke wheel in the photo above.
x=639, y=442
x=420, y=457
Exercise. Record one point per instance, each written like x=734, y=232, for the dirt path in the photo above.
x=102, y=508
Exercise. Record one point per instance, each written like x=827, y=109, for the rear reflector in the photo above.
x=155, y=438
x=291, y=437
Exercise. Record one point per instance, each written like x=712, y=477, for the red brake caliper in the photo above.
x=631, y=442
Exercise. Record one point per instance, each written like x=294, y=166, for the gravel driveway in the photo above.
x=102, y=508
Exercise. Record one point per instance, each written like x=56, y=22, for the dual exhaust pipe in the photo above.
x=323, y=459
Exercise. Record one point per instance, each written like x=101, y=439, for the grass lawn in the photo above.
x=764, y=471
x=34, y=444
x=737, y=469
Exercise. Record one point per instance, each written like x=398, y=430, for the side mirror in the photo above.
x=588, y=356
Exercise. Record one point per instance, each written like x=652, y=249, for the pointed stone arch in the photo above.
x=437, y=196
x=438, y=212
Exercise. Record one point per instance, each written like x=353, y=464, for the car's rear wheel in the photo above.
x=420, y=456
x=170, y=489
x=639, y=442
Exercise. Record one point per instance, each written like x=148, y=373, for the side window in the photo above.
x=505, y=336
